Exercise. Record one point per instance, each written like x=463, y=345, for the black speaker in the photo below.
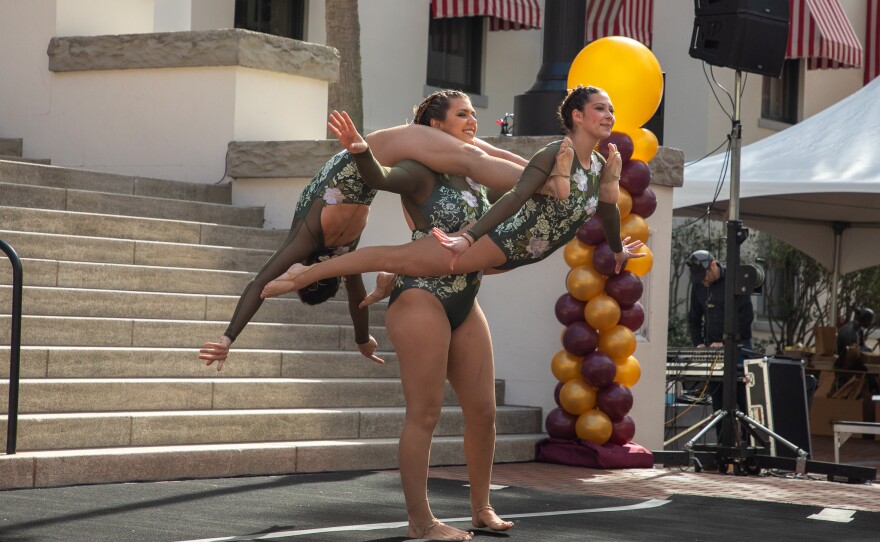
x=777, y=397
x=745, y=35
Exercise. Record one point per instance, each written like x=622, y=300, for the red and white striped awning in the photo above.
x=503, y=14
x=872, y=41
x=630, y=18
x=821, y=33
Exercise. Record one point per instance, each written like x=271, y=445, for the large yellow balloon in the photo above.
x=641, y=266
x=594, y=425
x=584, y=282
x=566, y=366
x=618, y=342
x=577, y=397
x=628, y=371
x=634, y=227
x=624, y=203
x=577, y=253
x=645, y=144
x=602, y=312
x=627, y=70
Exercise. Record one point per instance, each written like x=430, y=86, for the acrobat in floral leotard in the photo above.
x=542, y=224
x=337, y=183
x=451, y=207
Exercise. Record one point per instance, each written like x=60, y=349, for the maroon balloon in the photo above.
x=591, y=232
x=635, y=176
x=561, y=424
x=625, y=145
x=625, y=287
x=615, y=400
x=622, y=431
x=569, y=309
x=556, y=393
x=603, y=259
x=598, y=369
x=645, y=203
x=580, y=339
x=633, y=316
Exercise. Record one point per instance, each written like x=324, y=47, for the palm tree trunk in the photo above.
x=344, y=33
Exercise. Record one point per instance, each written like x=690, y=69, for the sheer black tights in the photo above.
x=306, y=236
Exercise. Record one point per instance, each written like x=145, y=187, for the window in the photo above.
x=779, y=97
x=277, y=17
x=455, y=51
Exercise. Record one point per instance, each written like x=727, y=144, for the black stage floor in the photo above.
x=368, y=506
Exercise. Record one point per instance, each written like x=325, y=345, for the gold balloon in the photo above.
x=594, y=425
x=602, y=312
x=566, y=366
x=645, y=144
x=641, y=266
x=618, y=342
x=627, y=70
x=577, y=397
x=577, y=253
x=634, y=227
x=628, y=371
x=624, y=203
x=584, y=282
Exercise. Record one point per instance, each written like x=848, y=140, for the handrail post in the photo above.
x=14, y=347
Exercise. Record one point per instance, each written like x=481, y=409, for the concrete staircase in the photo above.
x=11, y=150
x=124, y=279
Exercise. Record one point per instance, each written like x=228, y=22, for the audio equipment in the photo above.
x=746, y=35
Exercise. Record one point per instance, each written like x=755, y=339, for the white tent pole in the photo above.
x=838, y=228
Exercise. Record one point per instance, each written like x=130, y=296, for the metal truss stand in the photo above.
x=732, y=454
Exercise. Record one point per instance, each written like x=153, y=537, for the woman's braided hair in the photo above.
x=435, y=106
x=577, y=98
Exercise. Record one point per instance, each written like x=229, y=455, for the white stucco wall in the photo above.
x=94, y=17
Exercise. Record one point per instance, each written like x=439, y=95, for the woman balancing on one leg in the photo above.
x=437, y=329
x=523, y=227
x=332, y=212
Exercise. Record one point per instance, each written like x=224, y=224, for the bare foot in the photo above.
x=384, y=285
x=486, y=517
x=438, y=531
x=285, y=283
x=559, y=183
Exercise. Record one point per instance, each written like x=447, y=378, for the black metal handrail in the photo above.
x=14, y=347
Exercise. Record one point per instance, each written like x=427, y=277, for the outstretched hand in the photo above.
x=345, y=130
x=368, y=349
x=629, y=251
x=455, y=244
x=217, y=351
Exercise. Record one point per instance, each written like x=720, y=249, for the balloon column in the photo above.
x=601, y=310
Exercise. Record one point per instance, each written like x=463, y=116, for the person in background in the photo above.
x=706, y=317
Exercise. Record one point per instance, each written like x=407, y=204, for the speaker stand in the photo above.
x=732, y=453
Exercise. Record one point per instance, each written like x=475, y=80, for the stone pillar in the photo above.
x=564, y=25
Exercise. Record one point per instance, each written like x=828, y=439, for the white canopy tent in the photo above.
x=815, y=185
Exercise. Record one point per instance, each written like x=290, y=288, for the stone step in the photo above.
x=130, y=332
x=104, y=430
x=11, y=146
x=50, y=246
x=80, y=179
x=68, y=199
x=81, y=302
x=132, y=464
x=142, y=229
x=18, y=158
x=89, y=362
x=58, y=395
x=64, y=274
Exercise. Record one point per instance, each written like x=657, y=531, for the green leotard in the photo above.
x=528, y=226
x=337, y=183
x=452, y=203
